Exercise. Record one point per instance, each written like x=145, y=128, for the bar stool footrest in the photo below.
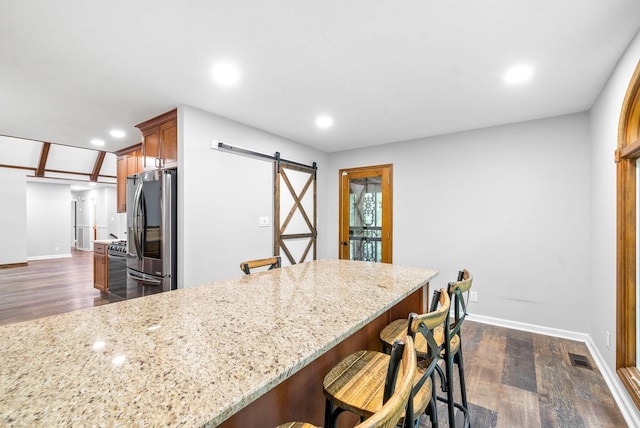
x=465, y=411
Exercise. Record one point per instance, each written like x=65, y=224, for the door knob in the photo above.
x=345, y=243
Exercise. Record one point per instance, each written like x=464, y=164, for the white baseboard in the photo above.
x=51, y=256
x=625, y=403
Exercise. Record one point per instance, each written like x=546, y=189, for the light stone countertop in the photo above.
x=192, y=356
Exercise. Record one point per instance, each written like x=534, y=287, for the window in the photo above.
x=627, y=156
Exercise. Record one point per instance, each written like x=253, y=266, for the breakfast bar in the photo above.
x=248, y=351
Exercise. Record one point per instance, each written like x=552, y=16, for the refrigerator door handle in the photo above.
x=144, y=278
x=137, y=214
x=168, y=202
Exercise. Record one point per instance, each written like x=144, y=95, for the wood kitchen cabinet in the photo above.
x=160, y=141
x=100, y=267
x=129, y=163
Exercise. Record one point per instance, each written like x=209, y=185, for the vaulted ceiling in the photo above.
x=70, y=164
x=384, y=71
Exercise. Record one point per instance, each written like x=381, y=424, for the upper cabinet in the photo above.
x=160, y=141
x=129, y=163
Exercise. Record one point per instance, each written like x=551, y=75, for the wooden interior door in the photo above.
x=365, y=214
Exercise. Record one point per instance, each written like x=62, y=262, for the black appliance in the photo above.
x=117, y=253
x=121, y=285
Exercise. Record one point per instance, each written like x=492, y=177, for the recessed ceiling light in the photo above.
x=518, y=74
x=324, y=122
x=226, y=74
x=116, y=133
x=97, y=142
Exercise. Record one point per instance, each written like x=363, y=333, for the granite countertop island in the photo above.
x=189, y=357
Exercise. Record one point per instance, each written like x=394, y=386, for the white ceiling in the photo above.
x=384, y=70
x=73, y=165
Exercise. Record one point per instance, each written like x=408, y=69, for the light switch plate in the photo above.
x=263, y=221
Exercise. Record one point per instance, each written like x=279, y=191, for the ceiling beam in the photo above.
x=98, y=166
x=17, y=167
x=44, y=154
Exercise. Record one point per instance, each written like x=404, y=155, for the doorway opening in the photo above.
x=366, y=214
x=74, y=224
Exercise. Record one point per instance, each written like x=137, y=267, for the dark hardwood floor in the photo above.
x=514, y=379
x=521, y=379
x=48, y=287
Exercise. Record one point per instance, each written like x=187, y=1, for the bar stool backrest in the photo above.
x=455, y=291
x=426, y=325
x=272, y=262
x=397, y=404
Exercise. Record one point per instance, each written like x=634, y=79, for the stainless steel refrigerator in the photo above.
x=151, y=229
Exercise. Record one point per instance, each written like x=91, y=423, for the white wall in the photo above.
x=98, y=207
x=221, y=195
x=605, y=117
x=509, y=203
x=84, y=220
x=107, y=220
x=35, y=218
x=48, y=219
x=13, y=216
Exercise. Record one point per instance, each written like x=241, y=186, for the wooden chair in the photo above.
x=397, y=390
x=355, y=384
x=272, y=262
x=450, y=340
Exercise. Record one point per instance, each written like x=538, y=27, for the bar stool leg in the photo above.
x=450, y=399
x=331, y=414
x=328, y=414
x=463, y=387
x=433, y=405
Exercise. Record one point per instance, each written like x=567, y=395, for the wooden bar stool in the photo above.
x=398, y=389
x=449, y=338
x=453, y=346
x=355, y=383
x=272, y=262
